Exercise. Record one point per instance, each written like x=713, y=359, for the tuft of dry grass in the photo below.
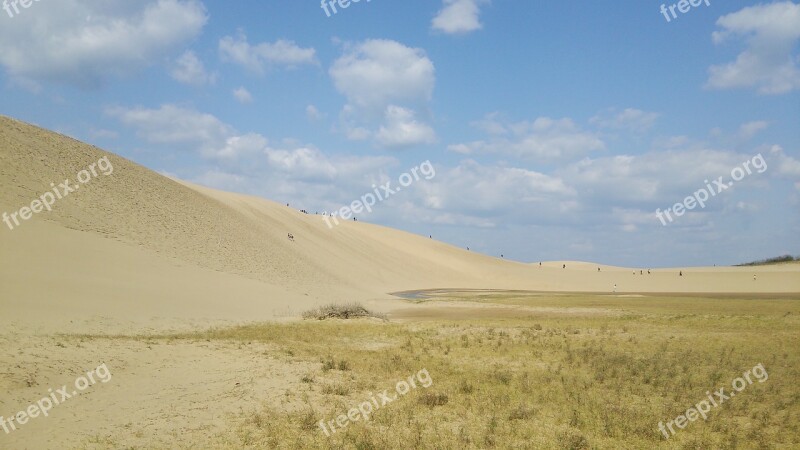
x=337, y=311
x=431, y=399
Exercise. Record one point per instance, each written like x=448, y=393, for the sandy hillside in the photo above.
x=140, y=249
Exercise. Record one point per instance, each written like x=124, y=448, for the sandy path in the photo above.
x=160, y=393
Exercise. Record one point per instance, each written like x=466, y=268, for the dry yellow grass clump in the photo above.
x=339, y=311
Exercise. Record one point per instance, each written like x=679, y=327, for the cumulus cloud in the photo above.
x=188, y=69
x=750, y=129
x=188, y=129
x=312, y=113
x=787, y=165
x=246, y=153
x=458, y=16
x=376, y=73
x=543, y=139
x=256, y=58
x=84, y=42
x=653, y=178
x=481, y=195
x=768, y=62
x=386, y=81
x=401, y=129
x=616, y=192
x=309, y=164
x=241, y=145
x=242, y=95
x=629, y=119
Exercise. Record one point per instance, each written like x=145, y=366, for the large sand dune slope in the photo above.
x=135, y=246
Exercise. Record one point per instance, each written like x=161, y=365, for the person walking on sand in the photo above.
x=615, y=287
x=680, y=274
x=754, y=277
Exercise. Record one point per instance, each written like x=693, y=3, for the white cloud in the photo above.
x=339, y=174
x=377, y=73
x=654, y=178
x=189, y=129
x=255, y=58
x=83, y=43
x=172, y=124
x=471, y=193
x=237, y=146
x=401, y=129
x=750, y=129
x=312, y=113
x=242, y=95
x=384, y=82
x=303, y=162
x=629, y=119
x=189, y=69
x=544, y=139
x=458, y=16
x=767, y=63
x=358, y=134
x=787, y=165
x=491, y=124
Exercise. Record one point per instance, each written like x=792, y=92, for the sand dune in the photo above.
x=135, y=247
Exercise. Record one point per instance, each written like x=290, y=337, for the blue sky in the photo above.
x=556, y=129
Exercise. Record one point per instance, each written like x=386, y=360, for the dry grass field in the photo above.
x=570, y=371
